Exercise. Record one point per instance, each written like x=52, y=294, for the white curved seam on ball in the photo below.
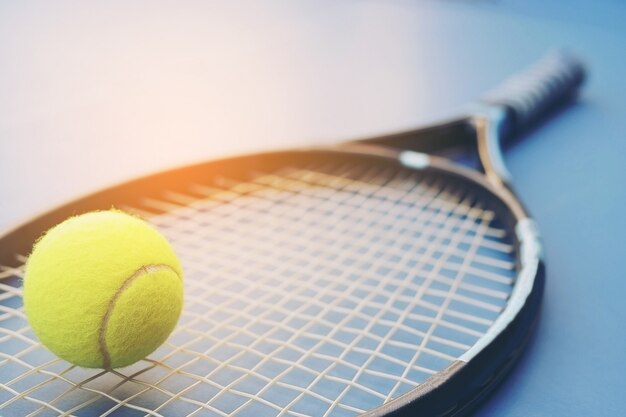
x=142, y=271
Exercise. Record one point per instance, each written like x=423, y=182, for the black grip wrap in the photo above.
x=533, y=93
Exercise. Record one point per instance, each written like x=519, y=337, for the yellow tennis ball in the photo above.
x=103, y=289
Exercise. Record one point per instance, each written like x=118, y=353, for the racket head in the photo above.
x=387, y=184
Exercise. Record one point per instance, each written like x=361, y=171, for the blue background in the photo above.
x=92, y=95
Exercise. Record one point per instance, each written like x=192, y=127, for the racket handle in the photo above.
x=535, y=92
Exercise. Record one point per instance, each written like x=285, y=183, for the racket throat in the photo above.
x=489, y=126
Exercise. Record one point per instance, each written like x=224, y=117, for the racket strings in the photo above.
x=309, y=291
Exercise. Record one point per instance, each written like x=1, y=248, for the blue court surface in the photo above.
x=91, y=95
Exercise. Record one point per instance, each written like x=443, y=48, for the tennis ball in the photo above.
x=103, y=289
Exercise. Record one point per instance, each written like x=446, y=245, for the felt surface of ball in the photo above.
x=103, y=289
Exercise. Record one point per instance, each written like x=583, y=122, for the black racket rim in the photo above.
x=455, y=390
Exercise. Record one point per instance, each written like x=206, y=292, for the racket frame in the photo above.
x=463, y=383
x=466, y=381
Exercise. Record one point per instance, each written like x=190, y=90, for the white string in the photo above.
x=324, y=290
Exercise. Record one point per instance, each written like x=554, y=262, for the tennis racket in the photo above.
x=369, y=278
